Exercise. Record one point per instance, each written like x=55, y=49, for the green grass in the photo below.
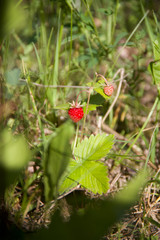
x=51, y=51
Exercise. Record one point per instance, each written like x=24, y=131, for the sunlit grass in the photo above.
x=51, y=51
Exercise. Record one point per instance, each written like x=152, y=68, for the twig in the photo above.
x=114, y=181
x=98, y=74
x=66, y=193
x=62, y=86
x=106, y=128
x=54, y=86
x=118, y=71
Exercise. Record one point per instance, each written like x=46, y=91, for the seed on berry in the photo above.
x=76, y=113
x=108, y=90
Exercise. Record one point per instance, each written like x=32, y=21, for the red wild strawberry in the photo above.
x=108, y=90
x=75, y=112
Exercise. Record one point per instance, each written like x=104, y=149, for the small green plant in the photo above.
x=86, y=168
x=49, y=148
x=63, y=171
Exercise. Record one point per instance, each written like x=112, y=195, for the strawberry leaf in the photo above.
x=91, y=107
x=94, y=147
x=98, y=87
x=86, y=171
x=89, y=174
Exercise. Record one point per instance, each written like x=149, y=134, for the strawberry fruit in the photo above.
x=108, y=90
x=76, y=113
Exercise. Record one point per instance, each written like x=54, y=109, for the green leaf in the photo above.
x=93, y=176
x=156, y=49
x=92, y=62
x=91, y=107
x=101, y=92
x=67, y=182
x=119, y=37
x=94, y=147
x=89, y=174
x=58, y=153
x=64, y=106
x=14, y=151
x=82, y=58
x=30, y=179
x=85, y=170
x=97, y=99
x=149, y=28
x=107, y=11
x=98, y=87
x=12, y=77
x=69, y=38
x=154, y=66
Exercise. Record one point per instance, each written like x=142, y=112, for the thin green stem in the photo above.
x=19, y=41
x=144, y=125
x=148, y=26
x=35, y=108
x=89, y=45
x=94, y=26
x=83, y=71
x=115, y=19
x=56, y=58
x=76, y=102
x=18, y=3
x=130, y=36
x=109, y=30
x=70, y=53
x=121, y=71
x=151, y=148
x=85, y=114
x=76, y=137
x=126, y=142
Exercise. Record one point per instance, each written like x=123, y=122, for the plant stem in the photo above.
x=130, y=36
x=151, y=148
x=70, y=52
x=98, y=74
x=115, y=19
x=153, y=145
x=144, y=125
x=85, y=114
x=76, y=102
x=35, y=109
x=76, y=137
x=94, y=26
